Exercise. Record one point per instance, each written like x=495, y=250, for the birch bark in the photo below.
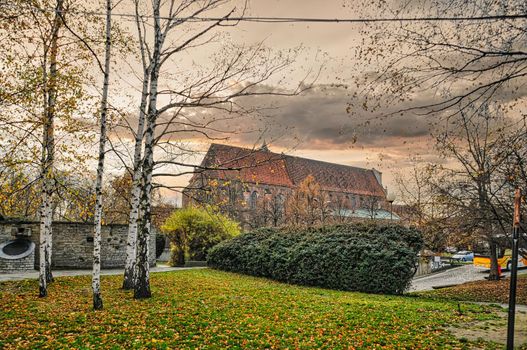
x=142, y=284
x=96, y=277
x=48, y=153
x=128, y=282
x=131, y=242
x=142, y=268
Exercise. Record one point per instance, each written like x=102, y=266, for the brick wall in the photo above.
x=73, y=243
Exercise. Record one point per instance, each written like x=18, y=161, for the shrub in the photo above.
x=193, y=231
x=360, y=257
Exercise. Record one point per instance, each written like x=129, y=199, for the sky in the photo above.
x=329, y=121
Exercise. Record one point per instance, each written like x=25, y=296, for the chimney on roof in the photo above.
x=378, y=175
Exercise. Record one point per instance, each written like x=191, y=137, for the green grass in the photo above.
x=212, y=309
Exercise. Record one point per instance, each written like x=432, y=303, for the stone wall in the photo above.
x=73, y=243
x=22, y=263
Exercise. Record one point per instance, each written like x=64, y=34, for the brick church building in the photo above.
x=242, y=181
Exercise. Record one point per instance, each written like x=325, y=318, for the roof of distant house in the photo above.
x=264, y=167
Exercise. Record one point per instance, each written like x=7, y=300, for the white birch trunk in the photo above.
x=43, y=291
x=96, y=277
x=49, y=233
x=50, y=144
x=44, y=198
x=131, y=242
x=142, y=268
x=48, y=153
x=130, y=277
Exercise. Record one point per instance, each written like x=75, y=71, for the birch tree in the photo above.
x=237, y=75
x=48, y=153
x=96, y=279
x=43, y=121
x=131, y=242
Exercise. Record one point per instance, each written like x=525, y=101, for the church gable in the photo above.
x=248, y=166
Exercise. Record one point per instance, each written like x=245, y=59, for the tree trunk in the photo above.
x=493, y=275
x=142, y=269
x=48, y=152
x=96, y=278
x=131, y=242
x=49, y=233
x=44, y=199
x=43, y=291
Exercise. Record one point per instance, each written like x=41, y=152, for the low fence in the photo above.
x=428, y=264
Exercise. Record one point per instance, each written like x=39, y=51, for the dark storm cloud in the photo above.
x=318, y=119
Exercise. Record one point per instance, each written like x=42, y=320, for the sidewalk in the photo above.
x=457, y=275
x=61, y=273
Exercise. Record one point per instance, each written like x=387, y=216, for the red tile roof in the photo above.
x=251, y=166
x=334, y=177
x=264, y=167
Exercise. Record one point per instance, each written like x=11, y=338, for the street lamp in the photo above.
x=390, y=198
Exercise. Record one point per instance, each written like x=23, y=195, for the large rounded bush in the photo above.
x=360, y=257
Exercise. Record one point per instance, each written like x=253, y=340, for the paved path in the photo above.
x=457, y=275
x=60, y=273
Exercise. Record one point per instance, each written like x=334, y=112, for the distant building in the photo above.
x=238, y=180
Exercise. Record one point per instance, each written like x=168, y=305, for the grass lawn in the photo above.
x=212, y=309
x=485, y=291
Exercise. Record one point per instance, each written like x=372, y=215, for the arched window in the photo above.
x=253, y=199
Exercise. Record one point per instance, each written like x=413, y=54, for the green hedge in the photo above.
x=359, y=257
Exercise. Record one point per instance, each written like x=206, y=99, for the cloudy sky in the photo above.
x=331, y=120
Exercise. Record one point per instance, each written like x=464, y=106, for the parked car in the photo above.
x=451, y=250
x=463, y=255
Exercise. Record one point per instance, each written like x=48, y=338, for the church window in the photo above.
x=254, y=198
